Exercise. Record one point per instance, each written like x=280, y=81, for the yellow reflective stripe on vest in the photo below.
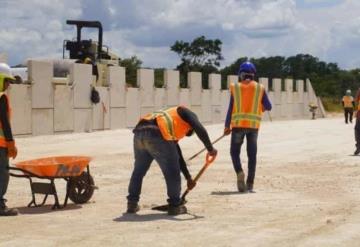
x=237, y=99
x=169, y=121
x=256, y=103
x=2, y=135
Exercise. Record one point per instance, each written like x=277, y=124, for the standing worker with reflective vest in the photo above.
x=7, y=143
x=156, y=137
x=348, y=104
x=247, y=102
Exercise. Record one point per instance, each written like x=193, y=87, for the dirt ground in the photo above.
x=307, y=193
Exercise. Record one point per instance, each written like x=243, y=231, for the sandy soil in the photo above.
x=307, y=193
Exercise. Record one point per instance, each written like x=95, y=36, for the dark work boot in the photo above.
x=357, y=151
x=241, y=182
x=250, y=187
x=176, y=210
x=132, y=207
x=5, y=211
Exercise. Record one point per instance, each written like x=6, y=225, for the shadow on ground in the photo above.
x=152, y=217
x=47, y=209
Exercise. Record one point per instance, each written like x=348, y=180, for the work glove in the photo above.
x=213, y=152
x=227, y=131
x=12, y=150
x=190, y=184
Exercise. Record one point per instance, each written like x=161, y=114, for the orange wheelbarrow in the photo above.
x=80, y=184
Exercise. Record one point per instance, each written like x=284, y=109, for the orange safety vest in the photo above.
x=171, y=125
x=3, y=143
x=348, y=101
x=247, y=107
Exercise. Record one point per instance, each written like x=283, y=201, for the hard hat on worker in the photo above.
x=247, y=67
x=5, y=76
x=348, y=92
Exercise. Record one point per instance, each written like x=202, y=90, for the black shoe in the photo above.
x=357, y=151
x=132, y=207
x=241, y=182
x=250, y=187
x=176, y=210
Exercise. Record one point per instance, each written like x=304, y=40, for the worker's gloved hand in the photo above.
x=12, y=150
x=190, y=184
x=213, y=152
x=227, y=131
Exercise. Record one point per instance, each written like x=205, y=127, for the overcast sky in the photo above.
x=328, y=29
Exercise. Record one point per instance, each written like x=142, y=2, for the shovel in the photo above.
x=209, y=160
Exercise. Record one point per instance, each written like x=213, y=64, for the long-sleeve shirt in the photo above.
x=264, y=101
x=183, y=166
x=4, y=119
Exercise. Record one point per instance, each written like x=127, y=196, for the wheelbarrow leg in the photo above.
x=57, y=204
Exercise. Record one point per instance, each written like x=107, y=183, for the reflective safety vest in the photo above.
x=247, y=107
x=348, y=101
x=171, y=125
x=3, y=143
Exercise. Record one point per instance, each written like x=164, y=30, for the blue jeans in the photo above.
x=4, y=173
x=149, y=145
x=237, y=139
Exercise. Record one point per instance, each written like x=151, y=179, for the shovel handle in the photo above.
x=202, y=150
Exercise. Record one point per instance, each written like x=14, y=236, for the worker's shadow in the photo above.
x=152, y=217
x=226, y=193
x=46, y=209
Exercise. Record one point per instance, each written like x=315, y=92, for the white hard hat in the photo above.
x=348, y=91
x=5, y=71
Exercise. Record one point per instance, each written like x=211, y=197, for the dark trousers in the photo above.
x=237, y=139
x=348, y=113
x=357, y=133
x=150, y=145
x=4, y=173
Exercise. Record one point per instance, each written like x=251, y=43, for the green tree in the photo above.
x=131, y=66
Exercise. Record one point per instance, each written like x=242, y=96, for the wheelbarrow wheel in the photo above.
x=81, y=188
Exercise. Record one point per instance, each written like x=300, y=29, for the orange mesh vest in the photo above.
x=247, y=107
x=348, y=101
x=2, y=136
x=171, y=125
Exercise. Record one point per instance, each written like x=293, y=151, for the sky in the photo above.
x=327, y=29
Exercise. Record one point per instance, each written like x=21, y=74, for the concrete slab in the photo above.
x=216, y=114
x=283, y=107
x=198, y=111
x=20, y=101
x=83, y=120
x=117, y=118
x=145, y=80
x=232, y=79
x=81, y=78
x=132, y=107
x=117, y=86
x=3, y=58
x=277, y=90
x=146, y=110
x=195, y=84
x=40, y=75
x=172, y=82
x=300, y=90
x=225, y=99
x=215, y=87
x=184, y=97
x=42, y=121
x=63, y=108
x=160, y=98
x=264, y=82
x=101, y=110
x=206, y=108
x=289, y=90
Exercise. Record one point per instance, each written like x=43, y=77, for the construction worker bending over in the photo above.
x=7, y=143
x=155, y=138
x=247, y=102
x=348, y=104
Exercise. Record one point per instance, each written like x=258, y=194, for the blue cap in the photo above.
x=247, y=67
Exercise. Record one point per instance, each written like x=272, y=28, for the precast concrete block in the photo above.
x=184, y=98
x=117, y=86
x=3, y=58
x=83, y=120
x=300, y=90
x=145, y=79
x=289, y=109
x=216, y=114
x=132, y=107
x=117, y=118
x=283, y=107
x=63, y=108
x=215, y=87
x=297, y=110
x=146, y=110
x=277, y=90
x=160, y=98
x=42, y=121
x=194, y=79
x=275, y=112
x=206, y=106
x=232, y=79
x=265, y=82
x=20, y=101
x=197, y=109
x=40, y=75
x=289, y=90
x=225, y=99
x=172, y=83
x=311, y=93
x=271, y=96
x=81, y=78
x=101, y=110
x=306, y=104
x=295, y=98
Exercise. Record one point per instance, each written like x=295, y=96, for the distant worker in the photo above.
x=7, y=143
x=247, y=103
x=155, y=138
x=348, y=104
x=357, y=124
x=312, y=109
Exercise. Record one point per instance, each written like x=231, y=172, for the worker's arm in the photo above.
x=4, y=119
x=266, y=102
x=183, y=166
x=190, y=117
x=228, y=115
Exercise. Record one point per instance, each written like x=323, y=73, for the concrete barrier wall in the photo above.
x=43, y=108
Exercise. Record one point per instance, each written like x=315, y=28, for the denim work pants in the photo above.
x=4, y=173
x=149, y=145
x=348, y=113
x=357, y=133
x=237, y=139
